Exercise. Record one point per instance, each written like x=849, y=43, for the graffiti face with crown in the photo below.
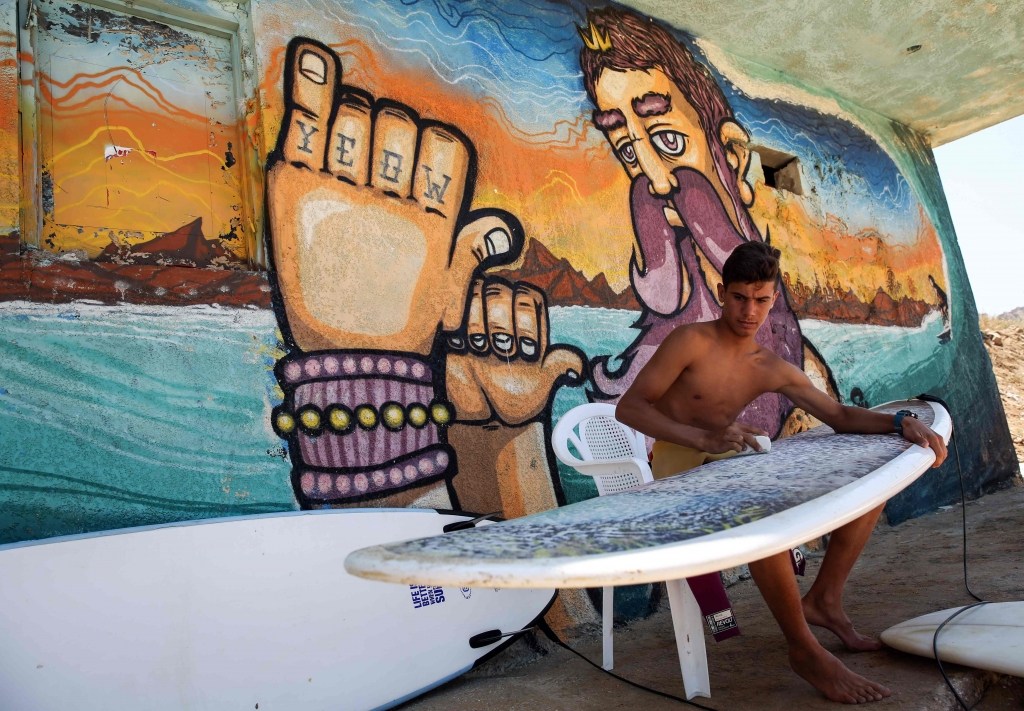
x=655, y=131
x=674, y=134
x=652, y=127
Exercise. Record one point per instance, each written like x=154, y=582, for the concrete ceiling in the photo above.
x=967, y=75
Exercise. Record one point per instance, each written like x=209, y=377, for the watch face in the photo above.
x=898, y=419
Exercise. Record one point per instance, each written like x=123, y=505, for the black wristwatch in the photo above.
x=897, y=420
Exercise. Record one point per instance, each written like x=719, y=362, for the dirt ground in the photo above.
x=1004, y=340
x=906, y=571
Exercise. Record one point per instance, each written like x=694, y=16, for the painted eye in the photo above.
x=627, y=153
x=669, y=143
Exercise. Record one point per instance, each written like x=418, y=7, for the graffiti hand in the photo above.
x=373, y=244
x=500, y=365
x=373, y=248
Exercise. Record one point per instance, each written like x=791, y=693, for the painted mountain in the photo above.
x=183, y=267
x=184, y=247
x=564, y=284
x=179, y=268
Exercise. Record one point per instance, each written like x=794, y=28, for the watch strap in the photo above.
x=897, y=420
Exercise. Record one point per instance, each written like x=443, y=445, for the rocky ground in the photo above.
x=1004, y=339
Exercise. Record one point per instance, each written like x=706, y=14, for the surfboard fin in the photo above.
x=471, y=523
x=489, y=637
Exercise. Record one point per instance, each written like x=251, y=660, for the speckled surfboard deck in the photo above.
x=723, y=514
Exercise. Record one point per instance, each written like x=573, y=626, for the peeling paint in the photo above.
x=162, y=143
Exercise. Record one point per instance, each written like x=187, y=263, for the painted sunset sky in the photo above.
x=508, y=76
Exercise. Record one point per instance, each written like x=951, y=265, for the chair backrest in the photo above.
x=611, y=452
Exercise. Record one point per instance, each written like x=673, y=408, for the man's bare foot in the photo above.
x=831, y=677
x=840, y=625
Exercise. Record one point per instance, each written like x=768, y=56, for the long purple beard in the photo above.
x=670, y=260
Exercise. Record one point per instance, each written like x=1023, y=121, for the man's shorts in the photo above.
x=669, y=458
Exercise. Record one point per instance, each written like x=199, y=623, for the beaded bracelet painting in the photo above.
x=361, y=424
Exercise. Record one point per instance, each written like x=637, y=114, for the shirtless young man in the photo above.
x=688, y=397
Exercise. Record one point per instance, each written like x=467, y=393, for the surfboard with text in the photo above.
x=247, y=613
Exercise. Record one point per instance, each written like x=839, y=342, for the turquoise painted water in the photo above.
x=115, y=416
x=884, y=362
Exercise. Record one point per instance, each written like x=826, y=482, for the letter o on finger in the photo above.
x=394, y=149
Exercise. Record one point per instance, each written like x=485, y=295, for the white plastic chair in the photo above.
x=615, y=455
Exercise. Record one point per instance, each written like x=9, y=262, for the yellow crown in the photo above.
x=596, y=41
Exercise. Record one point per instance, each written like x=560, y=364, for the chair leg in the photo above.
x=689, y=629
x=607, y=617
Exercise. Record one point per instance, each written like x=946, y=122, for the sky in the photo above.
x=981, y=178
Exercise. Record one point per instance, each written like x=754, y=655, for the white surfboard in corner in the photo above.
x=248, y=612
x=989, y=636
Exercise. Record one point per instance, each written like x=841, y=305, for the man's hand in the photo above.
x=733, y=438
x=919, y=433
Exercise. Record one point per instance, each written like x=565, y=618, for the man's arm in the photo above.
x=636, y=407
x=842, y=418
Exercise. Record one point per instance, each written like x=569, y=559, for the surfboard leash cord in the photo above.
x=967, y=584
x=543, y=626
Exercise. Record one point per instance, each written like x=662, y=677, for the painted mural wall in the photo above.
x=368, y=253
x=9, y=139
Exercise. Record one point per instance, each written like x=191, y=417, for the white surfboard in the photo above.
x=720, y=515
x=240, y=613
x=989, y=636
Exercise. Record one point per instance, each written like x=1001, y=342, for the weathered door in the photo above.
x=139, y=132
